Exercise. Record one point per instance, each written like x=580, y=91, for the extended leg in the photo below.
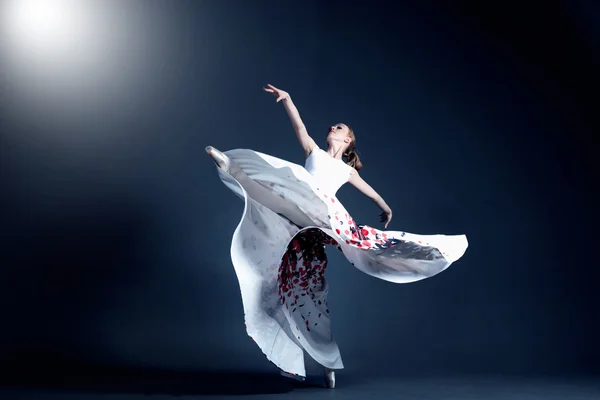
x=219, y=158
x=257, y=191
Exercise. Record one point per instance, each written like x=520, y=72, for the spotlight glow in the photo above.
x=37, y=18
x=80, y=69
x=43, y=26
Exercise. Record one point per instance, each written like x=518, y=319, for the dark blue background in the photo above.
x=475, y=118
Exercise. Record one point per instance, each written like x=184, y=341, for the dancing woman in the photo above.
x=290, y=215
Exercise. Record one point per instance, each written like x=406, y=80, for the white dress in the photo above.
x=290, y=214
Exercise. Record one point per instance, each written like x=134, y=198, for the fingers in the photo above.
x=270, y=88
x=385, y=217
x=274, y=91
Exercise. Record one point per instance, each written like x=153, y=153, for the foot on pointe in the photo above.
x=329, y=378
x=218, y=157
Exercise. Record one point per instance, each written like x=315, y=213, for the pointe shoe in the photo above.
x=219, y=158
x=329, y=378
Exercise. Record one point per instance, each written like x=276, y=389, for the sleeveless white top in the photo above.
x=329, y=171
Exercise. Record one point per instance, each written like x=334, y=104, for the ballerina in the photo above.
x=291, y=213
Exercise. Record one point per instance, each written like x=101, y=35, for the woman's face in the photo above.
x=338, y=133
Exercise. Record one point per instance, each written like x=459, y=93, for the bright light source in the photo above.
x=42, y=26
x=76, y=65
x=37, y=18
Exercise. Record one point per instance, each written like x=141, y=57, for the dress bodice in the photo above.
x=329, y=171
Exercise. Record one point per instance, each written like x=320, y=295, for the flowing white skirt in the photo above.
x=277, y=251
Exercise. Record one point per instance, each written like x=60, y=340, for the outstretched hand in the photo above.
x=280, y=94
x=386, y=217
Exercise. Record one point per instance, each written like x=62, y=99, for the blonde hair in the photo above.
x=351, y=153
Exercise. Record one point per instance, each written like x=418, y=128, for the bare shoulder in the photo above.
x=354, y=173
x=309, y=147
x=355, y=178
x=306, y=141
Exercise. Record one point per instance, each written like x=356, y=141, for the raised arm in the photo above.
x=358, y=182
x=307, y=143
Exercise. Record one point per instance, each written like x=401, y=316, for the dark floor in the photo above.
x=129, y=385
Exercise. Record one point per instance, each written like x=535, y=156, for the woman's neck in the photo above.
x=336, y=152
